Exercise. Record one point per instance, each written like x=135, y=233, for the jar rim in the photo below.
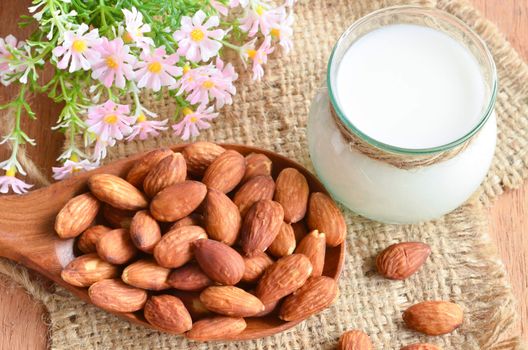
x=488, y=110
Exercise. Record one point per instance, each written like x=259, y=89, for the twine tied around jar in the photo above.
x=401, y=161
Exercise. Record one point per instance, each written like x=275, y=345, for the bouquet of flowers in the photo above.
x=103, y=50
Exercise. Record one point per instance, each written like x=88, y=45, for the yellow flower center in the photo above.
x=193, y=119
x=259, y=10
x=79, y=46
x=276, y=32
x=11, y=171
x=10, y=57
x=208, y=84
x=197, y=35
x=251, y=53
x=127, y=38
x=141, y=118
x=74, y=158
x=186, y=111
x=111, y=63
x=110, y=119
x=186, y=69
x=154, y=67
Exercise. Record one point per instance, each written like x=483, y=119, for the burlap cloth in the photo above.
x=463, y=266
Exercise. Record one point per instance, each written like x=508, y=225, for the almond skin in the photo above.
x=219, y=261
x=168, y=313
x=116, y=192
x=116, y=247
x=177, y=201
x=313, y=246
x=255, y=267
x=189, y=278
x=115, y=296
x=268, y=308
x=254, y=190
x=136, y=175
x=325, y=216
x=400, y=261
x=421, y=346
x=257, y=164
x=144, y=231
x=89, y=238
x=300, y=230
x=434, y=317
x=85, y=270
x=284, y=277
x=260, y=227
x=200, y=155
x=175, y=247
x=191, y=220
x=292, y=193
x=354, y=340
x=231, y=301
x=315, y=295
x=284, y=244
x=216, y=328
x=117, y=218
x=226, y=172
x=192, y=302
x=146, y=274
x=221, y=216
x=76, y=216
x=169, y=171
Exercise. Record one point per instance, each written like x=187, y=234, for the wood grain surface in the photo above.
x=23, y=321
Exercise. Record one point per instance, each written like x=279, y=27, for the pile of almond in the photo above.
x=200, y=240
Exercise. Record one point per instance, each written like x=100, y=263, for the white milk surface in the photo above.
x=410, y=86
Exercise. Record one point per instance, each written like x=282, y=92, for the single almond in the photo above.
x=225, y=172
x=116, y=247
x=192, y=302
x=144, y=231
x=177, y=201
x=292, y=192
x=254, y=190
x=175, y=247
x=146, y=274
x=115, y=296
x=257, y=164
x=76, y=216
x=231, y=301
x=255, y=266
x=284, y=277
x=284, y=244
x=434, y=317
x=260, y=227
x=136, y=175
x=221, y=217
x=354, y=340
x=219, y=261
x=313, y=246
x=88, y=239
x=117, y=218
x=325, y=216
x=189, y=278
x=315, y=295
x=169, y=171
x=168, y=313
x=116, y=192
x=193, y=219
x=400, y=261
x=200, y=155
x=85, y=270
x=300, y=230
x=216, y=328
x=421, y=346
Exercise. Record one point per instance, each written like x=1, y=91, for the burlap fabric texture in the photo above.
x=463, y=267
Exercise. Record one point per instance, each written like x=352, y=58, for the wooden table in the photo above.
x=22, y=320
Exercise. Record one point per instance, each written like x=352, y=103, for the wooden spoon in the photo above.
x=27, y=233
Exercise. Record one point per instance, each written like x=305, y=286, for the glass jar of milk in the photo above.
x=405, y=131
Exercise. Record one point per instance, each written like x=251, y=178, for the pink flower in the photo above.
x=194, y=121
x=145, y=128
x=218, y=6
x=210, y=82
x=259, y=57
x=115, y=63
x=109, y=121
x=99, y=151
x=284, y=32
x=263, y=17
x=157, y=69
x=135, y=28
x=72, y=166
x=235, y=3
x=77, y=48
x=10, y=181
x=6, y=57
x=195, y=39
